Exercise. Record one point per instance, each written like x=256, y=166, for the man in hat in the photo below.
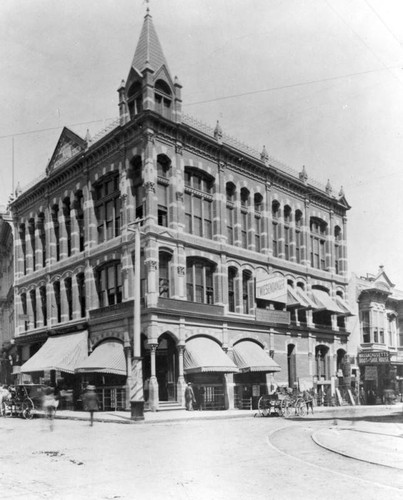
x=90, y=400
x=189, y=397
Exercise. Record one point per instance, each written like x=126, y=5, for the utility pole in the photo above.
x=136, y=386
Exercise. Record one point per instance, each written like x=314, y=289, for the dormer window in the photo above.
x=163, y=99
x=135, y=99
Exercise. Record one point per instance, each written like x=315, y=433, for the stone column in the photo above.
x=181, y=384
x=305, y=247
x=153, y=398
x=343, y=263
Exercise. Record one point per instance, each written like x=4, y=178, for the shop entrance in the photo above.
x=167, y=368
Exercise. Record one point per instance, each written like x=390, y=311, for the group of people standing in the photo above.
x=194, y=397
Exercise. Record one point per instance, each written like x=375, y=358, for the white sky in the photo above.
x=330, y=72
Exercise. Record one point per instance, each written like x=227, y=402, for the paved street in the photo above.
x=246, y=458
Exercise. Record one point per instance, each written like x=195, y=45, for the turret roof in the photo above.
x=148, y=51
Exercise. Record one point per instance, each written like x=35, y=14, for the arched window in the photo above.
x=32, y=296
x=23, y=242
x=198, y=203
x=44, y=307
x=287, y=232
x=42, y=236
x=136, y=176
x=337, y=249
x=230, y=211
x=232, y=274
x=24, y=310
x=79, y=207
x=69, y=297
x=135, y=99
x=275, y=214
x=107, y=207
x=199, y=281
x=163, y=99
x=298, y=236
x=81, y=294
x=163, y=166
x=56, y=291
x=244, y=217
x=258, y=203
x=31, y=231
x=164, y=271
x=67, y=223
x=109, y=284
x=318, y=243
x=56, y=229
x=246, y=281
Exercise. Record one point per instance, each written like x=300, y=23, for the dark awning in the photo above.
x=63, y=352
x=204, y=355
x=249, y=357
x=344, y=306
x=108, y=357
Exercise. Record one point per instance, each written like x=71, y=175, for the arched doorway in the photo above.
x=167, y=368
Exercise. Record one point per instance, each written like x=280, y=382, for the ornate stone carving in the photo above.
x=181, y=270
x=179, y=196
x=179, y=148
x=152, y=265
x=149, y=187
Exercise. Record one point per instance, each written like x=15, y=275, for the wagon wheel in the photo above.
x=264, y=406
x=26, y=410
x=6, y=409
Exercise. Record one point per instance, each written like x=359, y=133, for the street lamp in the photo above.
x=136, y=382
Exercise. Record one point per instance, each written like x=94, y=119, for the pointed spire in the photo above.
x=18, y=190
x=303, y=176
x=341, y=193
x=148, y=51
x=329, y=188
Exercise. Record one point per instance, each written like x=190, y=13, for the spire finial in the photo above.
x=147, y=2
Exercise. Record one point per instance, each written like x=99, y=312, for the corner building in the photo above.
x=243, y=275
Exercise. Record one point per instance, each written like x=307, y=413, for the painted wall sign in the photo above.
x=273, y=288
x=373, y=358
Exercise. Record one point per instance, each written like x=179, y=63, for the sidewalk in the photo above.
x=124, y=417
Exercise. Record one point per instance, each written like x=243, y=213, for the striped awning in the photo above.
x=344, y=306
x=203, y=355
x=249, y=357
x=324, y=302
x=296, y=297
x=108, y=357
x=62, y=352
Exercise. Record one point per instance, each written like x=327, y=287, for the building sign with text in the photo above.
x=272, y=288
x=373, y=358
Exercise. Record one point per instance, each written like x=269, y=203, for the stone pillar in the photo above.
x=75, y=230
x=75, y=298
x=267, y=224
x=220, y=216
x=153, y=398
x=330, y=251
x=39, y=311
x=181, y=384
x=343, y=263
x=30, y=246
x=229, y=391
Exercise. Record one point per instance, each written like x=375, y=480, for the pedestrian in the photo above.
x=146, y=388
x=4, y=396
x=90, y=400
x=189, y=397
x=49, y=405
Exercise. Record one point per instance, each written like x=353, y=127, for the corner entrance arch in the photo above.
x=167, y=368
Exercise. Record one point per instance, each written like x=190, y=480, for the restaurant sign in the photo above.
x=373, y=358
x=272, y=288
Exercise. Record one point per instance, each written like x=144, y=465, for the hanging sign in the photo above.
x=272, y=288
x=373, y=358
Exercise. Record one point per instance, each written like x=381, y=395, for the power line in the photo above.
x=293, y=85
x=383, y=22
x=36, y=131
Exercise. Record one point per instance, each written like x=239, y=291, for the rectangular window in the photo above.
x=244, y=229
x=258, y=224
x=298, y=244
x=207, y=216
x=162, y=205
x=287, y=242
x=365, y=327
x=189, y=284
x=188, y=213
x=275, y=239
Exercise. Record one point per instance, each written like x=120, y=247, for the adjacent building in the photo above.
x=8, y=355
x=238, y=273
x=377, y=336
